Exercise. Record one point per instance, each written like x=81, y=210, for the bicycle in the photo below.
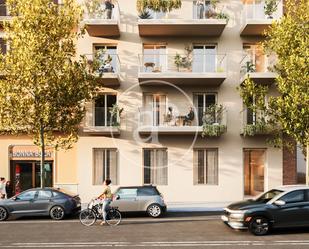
x=94, y=211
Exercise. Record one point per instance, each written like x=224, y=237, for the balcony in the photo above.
x=101, y=23
x=208, y=70
x=258, y=68
x=255, y=124
x=99, y=121
x=210, y=123
x=210, y=23
x=4, y=15
x=105, y=67
x=257, y=18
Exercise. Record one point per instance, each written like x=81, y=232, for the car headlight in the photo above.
x=238, y=215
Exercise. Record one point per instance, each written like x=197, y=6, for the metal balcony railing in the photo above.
x=196, y=63
x=101, y=117
x=257, y=9
x=257, y=63
x=103, y=63
x=215, y=115
x=98, y=11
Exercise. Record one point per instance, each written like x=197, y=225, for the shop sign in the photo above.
x=29, y=153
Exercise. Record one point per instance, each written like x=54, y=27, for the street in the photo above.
x=174, y=231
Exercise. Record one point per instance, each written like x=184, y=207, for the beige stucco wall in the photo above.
x=180, y=186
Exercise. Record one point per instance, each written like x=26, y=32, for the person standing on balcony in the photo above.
x=200, y=9
x=109, y=9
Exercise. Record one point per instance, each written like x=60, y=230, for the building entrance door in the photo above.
x=26, y=175
x=254, y=171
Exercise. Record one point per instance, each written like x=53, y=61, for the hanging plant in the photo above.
x=213, y=130
x=157, y=5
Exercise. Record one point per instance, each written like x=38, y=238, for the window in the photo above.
x=204, y=58
x=155, y=109
x=127, y=193
x=27, y=196
x=295, y=196
x=301, y=165
x=44, y=195
x=147, y=191
x=201, y=102
x=154, y=58
x=3, y=45
x=104, y=165
x=257, y=116
x=155, y=166
x=107, y=55
x=102, y=110
x=205, y=166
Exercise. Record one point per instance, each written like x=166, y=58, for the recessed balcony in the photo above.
x=258, y=68
x=200, y=69
x=105, y=67
x=100, y=121
x=203, y=122
x=99, y=23
x=257, y=19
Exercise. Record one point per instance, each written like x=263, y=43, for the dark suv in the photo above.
x=286, y=206
x=140, y=199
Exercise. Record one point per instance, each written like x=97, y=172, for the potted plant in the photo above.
x=184, y=61
x=94, y=9
x=212, y=121
x=115, y=113
x=270, y=7
x=145, y=15
x=249, y=67
x=157, y=5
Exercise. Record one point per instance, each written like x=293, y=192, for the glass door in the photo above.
x=155, y=105
x=103, y=106
x=204, y=58
x=107, y=55
x=254, y=171
x=201, y=102
x=155, y=58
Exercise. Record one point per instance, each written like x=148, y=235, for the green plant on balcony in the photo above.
x=249, y=67
x=212, y=121
x=115, y=113
x=145, y=15
x=270, y=7
x=259, y=128
x=184, y=61
x=222, y=15
x=94, y=8
x=157, y=5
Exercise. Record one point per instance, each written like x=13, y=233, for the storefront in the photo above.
x=25, y=170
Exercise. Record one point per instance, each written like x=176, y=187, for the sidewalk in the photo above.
x=196, y=207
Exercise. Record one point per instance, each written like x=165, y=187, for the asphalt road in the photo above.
x=174, y=231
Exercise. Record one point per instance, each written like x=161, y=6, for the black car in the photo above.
x=286, y=206
x=52, y=202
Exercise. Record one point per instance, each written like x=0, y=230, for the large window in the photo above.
x=201, y=102
x=104, y=165
x=155, y=166
x=154, y=109
x=107, y=55
x=205, y=166
x=204, y=58
x=102, y=110
x=154, y=58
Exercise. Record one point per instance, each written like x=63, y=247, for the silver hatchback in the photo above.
x=140, y=199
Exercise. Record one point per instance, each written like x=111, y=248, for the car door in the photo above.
x=293, y=212
x=145, y=196
x=23, y=203
x=42, y=201
x=126, y=200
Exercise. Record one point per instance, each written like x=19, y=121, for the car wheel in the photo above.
x=154, y=210
x=57, y=213
x=3, y=214
x=259, y=226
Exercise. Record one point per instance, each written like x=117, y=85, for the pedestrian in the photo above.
x=200, y=9
x=108, y=9
x=189, y=117
x=2, y=188
x=8, y=189
x=106, y=197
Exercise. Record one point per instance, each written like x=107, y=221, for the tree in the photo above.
x=289, y=39
x=44, y=84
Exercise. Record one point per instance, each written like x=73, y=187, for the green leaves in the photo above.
x=158, y=5
x=45, y=84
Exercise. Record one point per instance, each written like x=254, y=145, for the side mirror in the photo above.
x=279, y=203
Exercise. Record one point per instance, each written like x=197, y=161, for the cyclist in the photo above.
x=106, y=198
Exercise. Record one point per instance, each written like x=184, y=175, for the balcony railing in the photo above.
x=181, y=63
x=258, y=10
x=101, y=117
x=210, y=119
x=257, y=63
x=105, y=63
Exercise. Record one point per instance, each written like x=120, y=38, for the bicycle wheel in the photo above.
x=87, y=217
x=113, y=217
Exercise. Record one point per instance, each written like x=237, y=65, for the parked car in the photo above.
x=52, y=202
x=282, y=207
x=140, y=199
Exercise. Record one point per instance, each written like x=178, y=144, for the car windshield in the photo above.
x=268, y=195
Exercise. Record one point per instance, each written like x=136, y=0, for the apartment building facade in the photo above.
x=166, y=78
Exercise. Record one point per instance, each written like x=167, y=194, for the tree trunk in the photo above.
x=307, y=165
x=42, y=157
